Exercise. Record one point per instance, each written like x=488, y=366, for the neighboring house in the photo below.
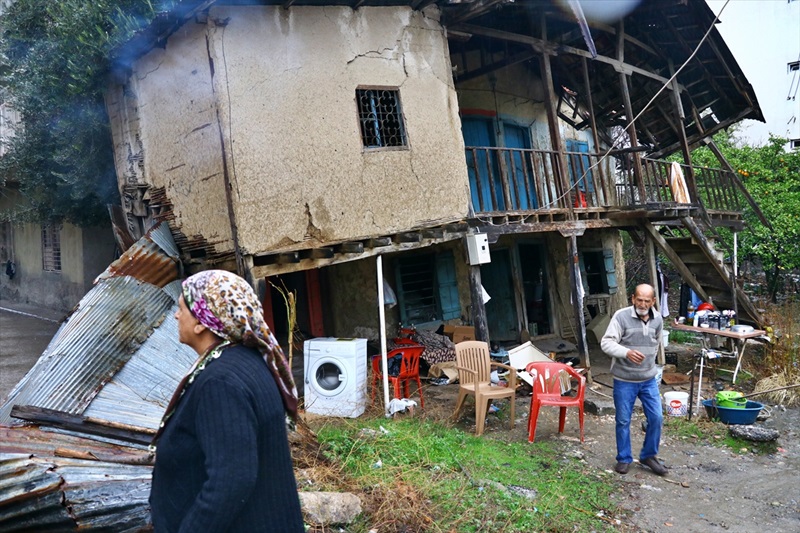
x=294, y=142
x=48, y=265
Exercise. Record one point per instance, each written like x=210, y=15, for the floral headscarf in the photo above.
x=227, y=305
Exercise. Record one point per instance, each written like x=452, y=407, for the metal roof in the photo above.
x=116, y=360
x=116, y=323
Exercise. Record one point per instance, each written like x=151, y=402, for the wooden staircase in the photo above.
x=704, y=268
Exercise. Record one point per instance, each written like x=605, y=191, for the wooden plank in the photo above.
x=351, y=248
x=379, y=242
x=683, y=270
x=561, y=169
x=50, y=417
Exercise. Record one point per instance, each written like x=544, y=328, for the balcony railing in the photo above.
x=523, y=180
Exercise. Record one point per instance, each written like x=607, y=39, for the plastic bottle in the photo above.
x=690, y=312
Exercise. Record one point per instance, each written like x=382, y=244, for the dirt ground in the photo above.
x=709, y=488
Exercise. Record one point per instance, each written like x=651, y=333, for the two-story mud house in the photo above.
x=301, y=139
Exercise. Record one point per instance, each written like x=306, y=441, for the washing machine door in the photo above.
x=329, y=377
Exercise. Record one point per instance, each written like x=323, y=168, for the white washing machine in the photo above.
x=335, y=376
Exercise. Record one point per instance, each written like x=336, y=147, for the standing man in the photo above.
x=632, y=340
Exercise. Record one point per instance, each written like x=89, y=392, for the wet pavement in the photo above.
x=25, y=332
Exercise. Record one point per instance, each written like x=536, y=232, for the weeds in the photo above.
x=419, y=475
x=705, y=431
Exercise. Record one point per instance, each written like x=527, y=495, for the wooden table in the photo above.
x=739, y=343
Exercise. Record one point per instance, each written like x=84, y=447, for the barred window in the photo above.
x=381, y=118
x=51, y=248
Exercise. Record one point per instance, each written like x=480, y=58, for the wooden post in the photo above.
x=691, y=182
x=552, y=122
x=650, y=253
x=629, y=114
x=576, y=288
x=608, y=193
x=478, y=309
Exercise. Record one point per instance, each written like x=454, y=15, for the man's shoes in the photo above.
x=622, y=468
x=653, y=464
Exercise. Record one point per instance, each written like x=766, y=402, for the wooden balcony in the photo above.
x=524, y=182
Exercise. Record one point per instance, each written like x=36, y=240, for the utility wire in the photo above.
x=645, y=108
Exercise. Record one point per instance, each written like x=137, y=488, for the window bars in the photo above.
x=381, y=118
x=51, y=248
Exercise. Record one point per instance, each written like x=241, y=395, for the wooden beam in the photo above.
x=411, y=236
x=351, y=248
x=325, y=252
x=497, y=65
x=587, y=87
x=379, y=242
x=555, y=131
x=545, y=47
x=91, y=426
x=474, y=9
x=675, y=259
x=479, y=321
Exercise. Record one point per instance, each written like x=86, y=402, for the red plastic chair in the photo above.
x=547, y=391
x=409, y=370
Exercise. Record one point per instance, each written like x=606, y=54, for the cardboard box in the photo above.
x=459, y=333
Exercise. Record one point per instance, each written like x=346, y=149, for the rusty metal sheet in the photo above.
x=120, y=319
x=139, y=393
x=152, y=259
x=109, y=325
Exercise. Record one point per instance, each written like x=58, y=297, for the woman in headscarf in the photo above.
x=223, y=461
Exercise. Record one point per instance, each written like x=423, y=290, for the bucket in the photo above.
x=665, y=337
x=677, y=403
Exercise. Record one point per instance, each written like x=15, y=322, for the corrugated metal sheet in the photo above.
x=119, y=320
x=152, y=259
x=115, y=359
x=109, y=325
x=140, y=392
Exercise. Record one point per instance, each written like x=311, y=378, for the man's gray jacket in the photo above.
x=627, y=331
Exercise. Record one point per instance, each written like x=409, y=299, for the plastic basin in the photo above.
x=745, y=416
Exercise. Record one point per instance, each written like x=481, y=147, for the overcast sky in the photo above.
x=764, y=37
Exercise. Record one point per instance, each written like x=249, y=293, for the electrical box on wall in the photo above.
x=478, y=248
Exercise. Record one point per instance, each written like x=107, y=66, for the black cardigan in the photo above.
x=223, y=460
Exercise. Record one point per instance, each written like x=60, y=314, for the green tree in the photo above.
x=772, y=176
x=54, y=57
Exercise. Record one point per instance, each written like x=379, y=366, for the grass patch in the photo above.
x=705, y=431
x=420, y=475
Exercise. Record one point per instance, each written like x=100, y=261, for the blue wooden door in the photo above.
x=579, y=166
x=482, y=166
x=501, y=314
x=523, y=194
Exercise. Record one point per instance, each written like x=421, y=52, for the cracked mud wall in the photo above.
x=286, y=82
x=166, y=134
